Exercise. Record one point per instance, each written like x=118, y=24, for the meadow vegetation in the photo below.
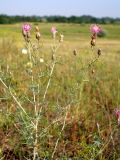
x=59, y=103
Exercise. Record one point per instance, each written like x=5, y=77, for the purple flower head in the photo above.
x=53, y=30
x=26, y=27
x=117, y=113
x=95, y=29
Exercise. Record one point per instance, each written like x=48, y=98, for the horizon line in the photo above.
x=56, y=15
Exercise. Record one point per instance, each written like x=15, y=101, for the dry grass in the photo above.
x=91, y=130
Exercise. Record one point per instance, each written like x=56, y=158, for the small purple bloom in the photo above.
x=53, y=30
x=117, y=113
x=26, y=27
x=95, y=29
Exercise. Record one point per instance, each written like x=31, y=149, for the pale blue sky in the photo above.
x=97, y=8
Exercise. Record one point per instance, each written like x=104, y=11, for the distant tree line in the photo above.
x=5, y=19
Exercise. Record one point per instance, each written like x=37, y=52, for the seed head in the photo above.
x=41, y=60
x=24, y=51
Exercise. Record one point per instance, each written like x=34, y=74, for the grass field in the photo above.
x=62, y=108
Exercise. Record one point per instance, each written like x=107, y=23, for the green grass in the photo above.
x=92, y=96
x=71, y=30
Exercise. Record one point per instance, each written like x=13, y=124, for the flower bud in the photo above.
x=74, y=52
x=37, y=29
x=28, y=35
x=93, y=36
x=38, y=35
x=29, y=65
x=93, y=42
x=24, y=33
x=53, y=56
x=99, y=52
x=93, y=71
x=61, y=38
